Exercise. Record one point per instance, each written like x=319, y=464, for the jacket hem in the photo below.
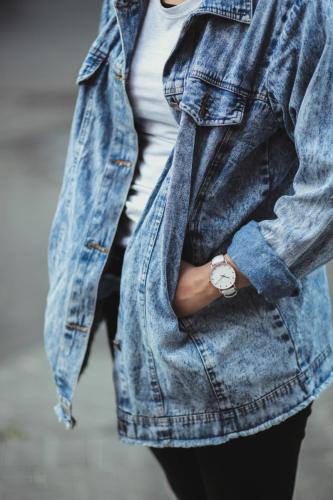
x=63, y=410
x=210, y=428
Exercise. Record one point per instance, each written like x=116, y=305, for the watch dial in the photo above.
x=223, y=276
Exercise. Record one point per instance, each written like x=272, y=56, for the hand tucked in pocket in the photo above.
x=194, y=290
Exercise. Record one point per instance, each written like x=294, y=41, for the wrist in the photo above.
x=241, y=280
x=208, y=290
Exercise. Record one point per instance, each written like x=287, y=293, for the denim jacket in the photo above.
x=251, y=174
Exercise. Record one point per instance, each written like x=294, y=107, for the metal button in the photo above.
x=116, y=344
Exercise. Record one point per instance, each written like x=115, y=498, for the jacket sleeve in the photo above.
x=275, y=254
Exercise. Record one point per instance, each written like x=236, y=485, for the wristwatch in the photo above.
x=223, y=276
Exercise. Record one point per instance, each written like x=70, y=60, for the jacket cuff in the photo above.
x=264, y=268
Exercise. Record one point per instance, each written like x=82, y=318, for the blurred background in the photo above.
x=42, y=47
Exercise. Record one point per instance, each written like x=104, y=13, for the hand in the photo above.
x=194, y=290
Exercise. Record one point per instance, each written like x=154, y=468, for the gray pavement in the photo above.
x=42, y=46
x=41, y=460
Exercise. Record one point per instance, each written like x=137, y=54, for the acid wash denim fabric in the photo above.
x=251, y=174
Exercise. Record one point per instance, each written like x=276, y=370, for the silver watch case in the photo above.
x=230, y=291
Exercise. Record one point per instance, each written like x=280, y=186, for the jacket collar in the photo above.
x=238, y=10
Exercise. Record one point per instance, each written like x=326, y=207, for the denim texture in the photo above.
x=251, y=174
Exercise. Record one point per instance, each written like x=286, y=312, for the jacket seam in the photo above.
x=206, y=77
x=320, y=358
x=280, y=35
x=205, y=368
x=223, y=12
x=277, y=307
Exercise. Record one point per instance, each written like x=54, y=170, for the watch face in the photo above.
x=223, y=276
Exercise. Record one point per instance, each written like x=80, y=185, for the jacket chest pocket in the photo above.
x=92, y=70
x=95, y=59
x=218, y=111
x=106, y=45
x=212, y=104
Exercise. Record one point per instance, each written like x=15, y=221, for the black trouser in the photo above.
x=261, y=466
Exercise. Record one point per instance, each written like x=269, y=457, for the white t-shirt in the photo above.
x=156, y=126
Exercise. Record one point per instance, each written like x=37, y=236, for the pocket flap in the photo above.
x=210, y=105
x=97, y=54
x=90, y=65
